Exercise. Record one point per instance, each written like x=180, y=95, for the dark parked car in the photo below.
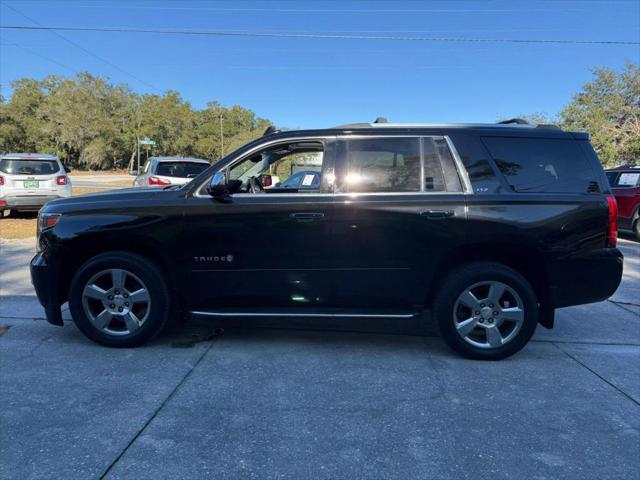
x=625, y=185
x=488, y=227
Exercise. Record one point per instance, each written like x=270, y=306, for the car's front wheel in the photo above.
x=119, y=299
x=486, y=311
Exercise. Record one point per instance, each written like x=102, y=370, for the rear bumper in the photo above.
x=46, y=280
x=590, y=278
x=26, y=202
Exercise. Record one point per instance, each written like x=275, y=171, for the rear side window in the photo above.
x=383, y=165
x=28, y=167
x=180, y=169
x=623, y=179
x=542, y=164
x=398, y=164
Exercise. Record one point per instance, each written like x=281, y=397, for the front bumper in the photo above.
x=45, y=278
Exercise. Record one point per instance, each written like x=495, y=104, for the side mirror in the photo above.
x=133, y=173
x=67, y=169
x=218, y=187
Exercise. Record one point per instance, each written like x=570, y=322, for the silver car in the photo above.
x=29, y=180
x=163, y=171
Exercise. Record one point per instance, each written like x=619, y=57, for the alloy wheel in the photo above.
x=116, y=301
x=488, y=314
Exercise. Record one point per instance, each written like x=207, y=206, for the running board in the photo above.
x=315, y=315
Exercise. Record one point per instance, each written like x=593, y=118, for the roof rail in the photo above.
x=517, y=121
x=522, y=121
x=512, y=123
x=270, y=129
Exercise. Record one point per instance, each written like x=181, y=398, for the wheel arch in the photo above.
x=526, y=260
x=82, y=250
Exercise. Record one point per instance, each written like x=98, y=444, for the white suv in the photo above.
x=163, y=171
x=29, y=180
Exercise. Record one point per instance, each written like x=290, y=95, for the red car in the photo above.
x=625, y=185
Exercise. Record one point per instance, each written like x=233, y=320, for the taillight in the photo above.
x=62, y=180
x=1, y=180
x=158, y=181
x=612, y=231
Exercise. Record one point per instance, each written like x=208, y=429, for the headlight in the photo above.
x=47, y=220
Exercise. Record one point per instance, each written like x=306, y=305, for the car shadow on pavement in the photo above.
x=194, y=331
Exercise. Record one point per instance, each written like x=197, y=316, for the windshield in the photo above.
x=28, y=167
x=307, y=179
x=180, y=169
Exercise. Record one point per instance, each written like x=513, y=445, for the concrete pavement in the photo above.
x=318, y=404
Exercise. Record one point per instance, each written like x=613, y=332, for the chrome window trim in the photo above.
x=466, y=187
x=261, y=146
x=359, y=194
x=466, y=182
x=340, y=194
x=421, y=148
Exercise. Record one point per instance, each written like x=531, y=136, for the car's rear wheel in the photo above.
x=119, y=299
x=636, y=229
x=486, y=311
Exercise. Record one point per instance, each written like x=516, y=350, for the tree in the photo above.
x=608, y=107
x=92, y=123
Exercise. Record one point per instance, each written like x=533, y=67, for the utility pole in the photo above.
x=221, y=138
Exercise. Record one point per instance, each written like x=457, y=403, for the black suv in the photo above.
x=488, y=227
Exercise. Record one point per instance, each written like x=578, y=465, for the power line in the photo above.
x=88, y=52
x=217, y=33
x=316, y=10
x=66, y=67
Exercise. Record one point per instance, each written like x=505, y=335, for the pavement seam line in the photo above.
x=156, y=412
x=622, y=306
x=612, y=385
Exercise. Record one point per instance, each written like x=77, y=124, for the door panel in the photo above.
x=253, y=253
x=390, y=235
x=259, y=251
x=385, y=250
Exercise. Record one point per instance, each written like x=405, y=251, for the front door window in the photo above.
x=284, y=168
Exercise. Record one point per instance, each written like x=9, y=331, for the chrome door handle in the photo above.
x=306, y=217
x=437, y=214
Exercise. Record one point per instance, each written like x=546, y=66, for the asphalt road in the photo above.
x=259, y=403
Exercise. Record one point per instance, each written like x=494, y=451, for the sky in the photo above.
x=323, y=82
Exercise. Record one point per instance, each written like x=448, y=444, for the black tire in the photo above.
x=159, y=306
x=476, y=273
x=636, y=229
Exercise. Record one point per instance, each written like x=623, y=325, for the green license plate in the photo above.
x=31, y=183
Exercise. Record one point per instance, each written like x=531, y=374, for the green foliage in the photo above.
x=608, y=107
x=94, y=124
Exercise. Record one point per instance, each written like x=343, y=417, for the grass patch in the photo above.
x=23, y=224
